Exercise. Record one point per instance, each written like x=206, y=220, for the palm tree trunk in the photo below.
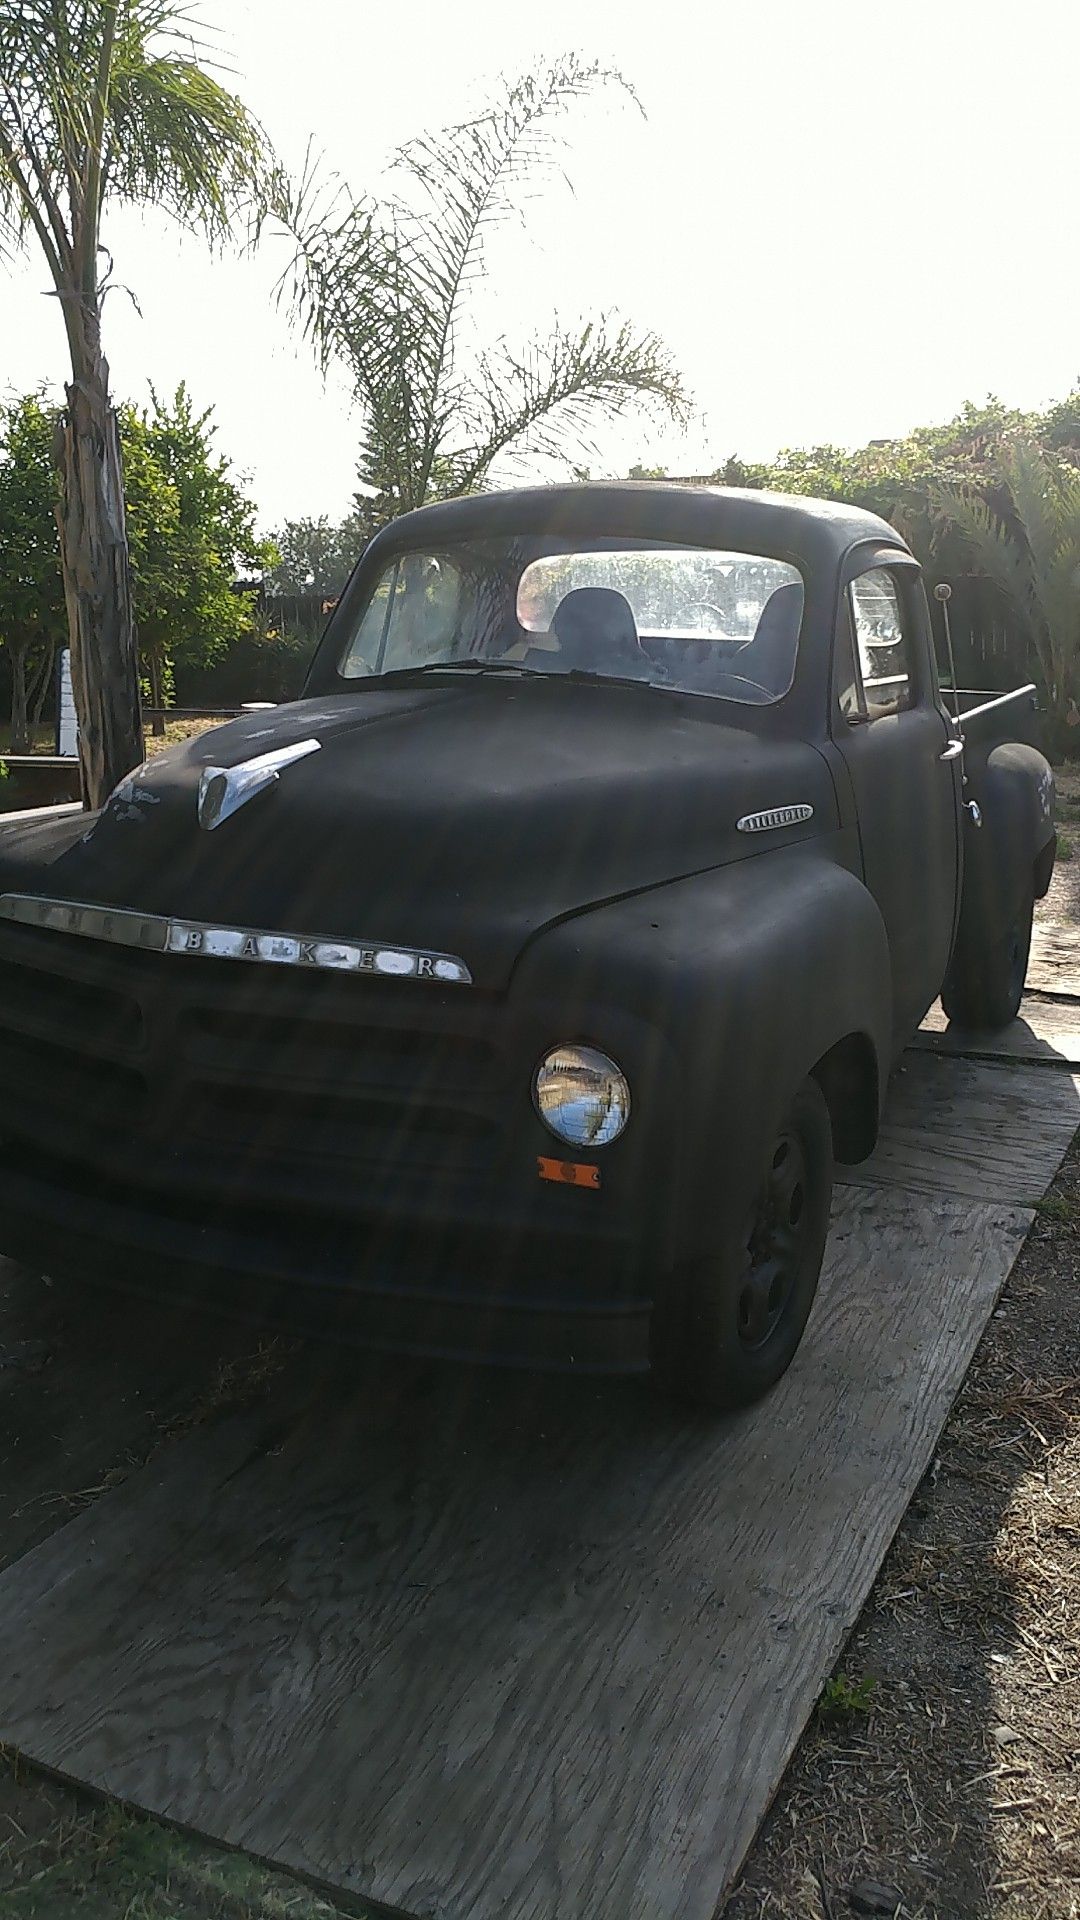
x=97, y=586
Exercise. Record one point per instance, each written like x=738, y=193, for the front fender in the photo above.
x=727, y=989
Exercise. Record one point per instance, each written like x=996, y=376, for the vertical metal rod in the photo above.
x=943, y=594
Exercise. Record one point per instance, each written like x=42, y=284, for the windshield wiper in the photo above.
x=453, y=666
x=581, y=676
x=584, y=676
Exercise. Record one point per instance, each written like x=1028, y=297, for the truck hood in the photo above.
x=449, y=817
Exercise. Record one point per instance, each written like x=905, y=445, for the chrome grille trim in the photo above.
x=155, y=933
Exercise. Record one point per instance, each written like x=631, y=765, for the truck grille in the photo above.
x=243, y=1066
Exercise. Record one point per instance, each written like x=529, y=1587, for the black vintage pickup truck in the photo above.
x=524, y=978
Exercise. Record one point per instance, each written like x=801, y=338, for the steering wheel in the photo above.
x=709, y=606
x=744, y=680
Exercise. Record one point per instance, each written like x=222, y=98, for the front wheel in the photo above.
x=731, y=1324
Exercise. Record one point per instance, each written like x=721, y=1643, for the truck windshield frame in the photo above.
x=705, y=620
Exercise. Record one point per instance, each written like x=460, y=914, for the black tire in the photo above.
x=729, y=1326
x=985, y=982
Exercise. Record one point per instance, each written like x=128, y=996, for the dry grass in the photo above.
x=237, y=1382
x=954, y=1784
x=43, y=739
x=177, y=731
x=75, y=1859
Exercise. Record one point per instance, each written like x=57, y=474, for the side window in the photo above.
x=412, y=617
x=882, y=644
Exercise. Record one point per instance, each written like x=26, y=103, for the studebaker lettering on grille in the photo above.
x=129, y=929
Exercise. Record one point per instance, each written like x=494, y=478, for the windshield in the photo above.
x=695, y=619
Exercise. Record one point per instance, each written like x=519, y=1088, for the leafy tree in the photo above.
x=315, y=556
x=384, y=285
x=1030, y=547
x=1059, y=428
x=893, y=478
x=102, y=103
x=32, y=617
x=191, y=528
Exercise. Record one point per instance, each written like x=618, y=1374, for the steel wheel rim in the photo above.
x=774, y=1244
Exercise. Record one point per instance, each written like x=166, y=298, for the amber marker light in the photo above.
x=568, y=1173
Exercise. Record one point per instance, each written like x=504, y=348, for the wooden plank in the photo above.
x=468, y=1644
x=90, y=1382
x=973, y=1129
x=1054, y=964
x=1048, y=1029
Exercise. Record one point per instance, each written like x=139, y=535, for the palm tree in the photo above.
x=383, y=286
x=104, y=102
x=1028, y=544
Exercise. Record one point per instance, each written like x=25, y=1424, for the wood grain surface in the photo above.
x=90, y=1382
x=973, y=1129
x=1047, y=1030
x=486, y=1647
x=1054, y=964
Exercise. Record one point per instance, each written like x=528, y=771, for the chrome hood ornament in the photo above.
x=224, y=790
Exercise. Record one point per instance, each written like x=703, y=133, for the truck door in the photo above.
x=905, y=774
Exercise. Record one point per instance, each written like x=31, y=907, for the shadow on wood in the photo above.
x=470, y=1644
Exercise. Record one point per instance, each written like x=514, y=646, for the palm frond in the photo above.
x=457, y=185
x=175, y=136
x=335, y=281
x=378, y=285
x=546, y=400
x=993, y=549
x=1061, y=608
x=106, y=99
x=1035, y=486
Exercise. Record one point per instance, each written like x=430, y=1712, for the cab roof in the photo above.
x=751, y=520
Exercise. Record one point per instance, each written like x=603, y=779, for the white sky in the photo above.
x=844, y=218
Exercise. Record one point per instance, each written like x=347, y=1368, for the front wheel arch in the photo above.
x=848, y=1077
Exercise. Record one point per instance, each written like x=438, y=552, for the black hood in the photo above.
x=445, y=816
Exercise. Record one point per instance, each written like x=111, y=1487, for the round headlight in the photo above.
x=581, y=1096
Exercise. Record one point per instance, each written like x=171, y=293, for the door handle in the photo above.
x=953, y=751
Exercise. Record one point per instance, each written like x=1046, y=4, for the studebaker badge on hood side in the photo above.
x=774, y=817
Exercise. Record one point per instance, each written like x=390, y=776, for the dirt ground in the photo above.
x=43, y=739
x=940, y=1776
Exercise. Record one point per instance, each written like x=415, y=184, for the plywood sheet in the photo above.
x=973, y=1129
x=499, y=1647
x=1047, y=1030
x=1054, y=965
x=90, y=1381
